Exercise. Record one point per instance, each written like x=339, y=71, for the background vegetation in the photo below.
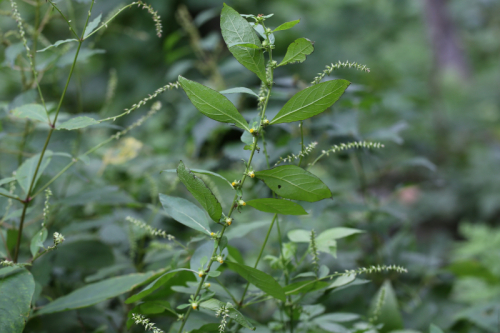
x=428, y=201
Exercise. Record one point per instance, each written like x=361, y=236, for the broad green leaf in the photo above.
x=342, y=281
x=92, y=25
x=59, y=42
x=77, y=122
x=337, y=233
x=293, y=182
x=212, y=104
x=239, y=230
x=26, y=171
x=31, y=111
x=236, y=29
x=239, y=90
x=299, y=236
x=261, y=280
x=244, y=44
x=203, y=172
x=200, y=191
x=434, y=329
x=311, y=101
x=185, y=212
x=96, y=292
x=214, y=305
x=160, y=281
x=37, y=241
x=286, y=25
x=388, y=312
x=16, y=292
x=297, y=51
x=277, y=206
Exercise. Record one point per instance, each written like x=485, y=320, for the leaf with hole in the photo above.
x=200, y=191
x=297, y=51
x=293, y=182
x=236, y=29
x=277, y=206
x=212, y=104
x=185, y=212
x=311, y=101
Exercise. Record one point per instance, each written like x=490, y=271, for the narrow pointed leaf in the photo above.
x=185, y=212
x=26, y=171
x=96, y=292
x=293, y=182
x=31, y=111
x=311, y=101
x=297, y=51
x=277, y=206
x=212, y=104
x=236, y=29
x=200, y=191
x=239, y=90
x=92, y=25
x=388, y=313
x=287, y=25
x=77, y=122
x=16, y=292
x=203, y=172
x=261, y=280
x=59, y=42
x=6, y=180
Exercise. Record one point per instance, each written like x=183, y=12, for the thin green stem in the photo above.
x=11, y=196
x=302, y=148
x=67, y=21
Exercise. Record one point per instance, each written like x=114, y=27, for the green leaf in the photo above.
x=59, y=42
x=388, y=312
x=297, y=51
x=238, y=90
x=342, y=281
x=244, y=44
x=77, y=122
x=304, y=287
x=242, y=229
x=185, y=212
x=214, y=305
x=236, y=29
x=311, y=101
x=287, y=25
x=160, y=281
x=293, y=182
x=31, y=111
x=4, y=191
x=92, y=25
x=7, y=180
x=434, y=329
x=200, y=191
x=37, y=241
x=261, y=280
x=26, y=171
x=96, y=292
x=277, y=206
x=204, y=172
x=337, y=233
x=16, y=292
x=212, y=104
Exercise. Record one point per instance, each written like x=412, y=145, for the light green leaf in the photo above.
x=261, y=280
x=31, y=111
x=239, y=90
x=287, y=25
x=244, y=44
x=185, y=212
x=236, y=29
x=311, y=101
x=4, y=191
x=200, y=191
x=299, y=236
x=160, y=281
x=214, y=305
x=297, y=51
x=212, y=104
x=242, y=229
x=203, y=172
x=434, y=329
x=96, y=292
x=92, y=25
x=77, y=122
x=293, y=182
x=12, y=52
x=26, y=171
x=337, y=233
x=59, y=42
x=16, y=292
x=7, y=180
x=277, y=206
x=388, y=313
x=342, y=281
x=37, y=241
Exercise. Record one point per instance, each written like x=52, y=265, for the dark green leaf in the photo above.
x=77, y=122
x=388, y=313
x=200, y=191
x=297, y=51
x=239, y=90
x=26, y=171
x=31, y=111
x=96, y=292
x=59, y=42
x=236, y=29
x=311, y=101
x=277, y=206
x=212, y=103
x=261, y=280
x=37, y=241
x=293, y=182
x=16, y=291
x=185, y=212
x=287, y=25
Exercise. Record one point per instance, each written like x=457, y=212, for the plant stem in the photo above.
x=301, y=142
